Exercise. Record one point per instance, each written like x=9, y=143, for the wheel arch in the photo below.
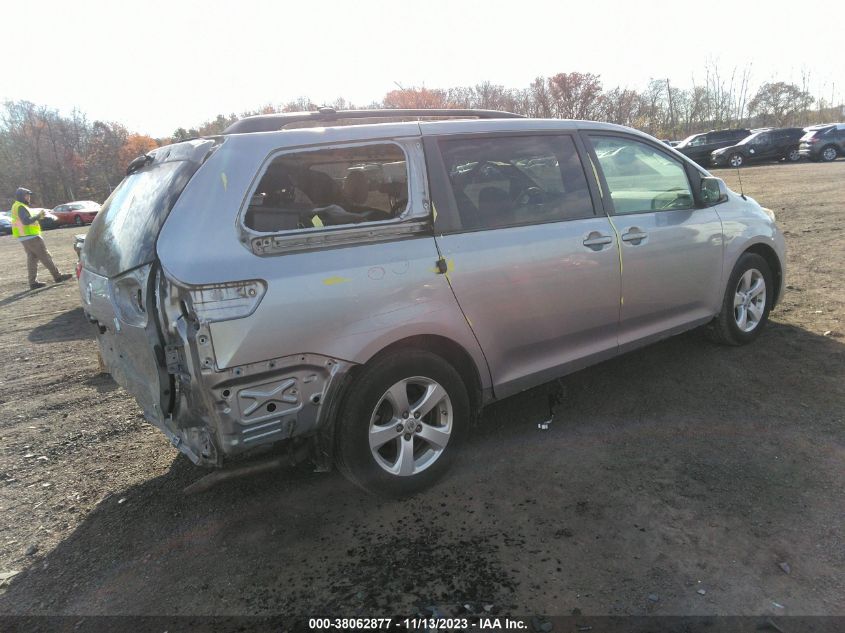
x=450, y=351
x=768, y=253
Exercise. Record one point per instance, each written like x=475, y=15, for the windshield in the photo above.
x=688, y=140
x=811, y=133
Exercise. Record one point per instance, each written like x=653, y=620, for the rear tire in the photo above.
x=78, y=221
x=746, y=303
x=829, y=153
x=381, y=446
x=793, y=156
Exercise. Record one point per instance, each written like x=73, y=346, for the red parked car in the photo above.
x=78, y=213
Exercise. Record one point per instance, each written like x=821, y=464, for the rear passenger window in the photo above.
x=507, y=181
x=641, y=178
x=330, y=187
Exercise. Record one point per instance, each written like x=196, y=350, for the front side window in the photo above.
x=512, y=180
x=640, y=177
x=330, y=187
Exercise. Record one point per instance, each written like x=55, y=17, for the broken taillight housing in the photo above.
x=128, y=294
x=224, y=302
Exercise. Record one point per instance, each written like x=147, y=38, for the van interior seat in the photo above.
x=356, y=188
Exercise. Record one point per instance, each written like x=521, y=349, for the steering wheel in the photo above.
x=530, y=195
x=471, y=171
x=662, y=203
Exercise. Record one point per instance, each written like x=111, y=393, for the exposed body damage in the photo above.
x=207, y=413
x=222, y=413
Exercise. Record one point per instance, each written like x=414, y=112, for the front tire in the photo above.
x=403, y=421
x=793, y=156
x=746, y=303
x=78, y=221
x=736, y=160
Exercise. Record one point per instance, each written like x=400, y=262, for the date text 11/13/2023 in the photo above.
x=416, y=624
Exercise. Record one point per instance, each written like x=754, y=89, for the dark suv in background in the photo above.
x=823, y=142
x=698, y=147
x=771, y=144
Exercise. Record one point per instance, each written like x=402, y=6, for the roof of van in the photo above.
x=330, y=116
x=364, y=124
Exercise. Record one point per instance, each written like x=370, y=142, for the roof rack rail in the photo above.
x=275, y=122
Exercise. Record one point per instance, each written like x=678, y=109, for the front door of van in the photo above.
x=671, y=249
x=533, y=266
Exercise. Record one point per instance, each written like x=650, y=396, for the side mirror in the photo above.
x=713, y=190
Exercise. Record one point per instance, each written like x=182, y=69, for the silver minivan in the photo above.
x=355, y=291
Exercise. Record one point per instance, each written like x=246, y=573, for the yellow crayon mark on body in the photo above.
x=224, y=180
x=450, y=268
x=333, y=281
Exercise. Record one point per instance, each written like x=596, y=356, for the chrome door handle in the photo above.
x=596, y=241
x=634, y=235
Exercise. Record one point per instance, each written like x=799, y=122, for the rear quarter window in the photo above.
x=329, y=187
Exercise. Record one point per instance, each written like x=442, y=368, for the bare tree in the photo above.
x=541, y=99
x=576, y=95
x=779, y=103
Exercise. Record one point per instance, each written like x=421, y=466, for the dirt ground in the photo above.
x=684, y=478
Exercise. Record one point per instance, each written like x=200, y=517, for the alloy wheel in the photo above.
x=750, y=300
x=410, y=426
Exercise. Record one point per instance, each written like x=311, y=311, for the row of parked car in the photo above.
x=76, y=213
x=735, y=148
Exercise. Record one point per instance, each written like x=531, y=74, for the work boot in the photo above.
x=37, y=284
x=63, y=277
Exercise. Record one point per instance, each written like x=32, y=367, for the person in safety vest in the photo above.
x=26, y=228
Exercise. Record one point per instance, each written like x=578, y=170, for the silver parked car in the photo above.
x=358, y=291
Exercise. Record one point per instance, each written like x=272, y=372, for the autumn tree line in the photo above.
x=68, y=157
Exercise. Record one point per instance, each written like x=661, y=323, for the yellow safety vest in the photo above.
x=19, y=229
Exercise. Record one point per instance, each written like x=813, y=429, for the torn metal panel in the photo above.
x=129, y=340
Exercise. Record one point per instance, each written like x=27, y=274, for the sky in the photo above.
x=157, y=66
